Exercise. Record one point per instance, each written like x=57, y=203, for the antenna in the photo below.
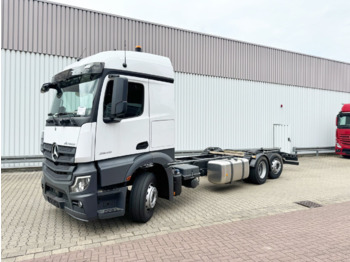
x=124, y=64
x=81, y=56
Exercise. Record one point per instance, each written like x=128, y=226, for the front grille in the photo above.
x=63, y=166
x=66, y=154
x=345, y=139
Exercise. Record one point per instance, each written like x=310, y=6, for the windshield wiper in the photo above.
x=53, y=120
x=64, y=122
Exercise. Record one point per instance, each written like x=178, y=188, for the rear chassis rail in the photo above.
x=209, y=154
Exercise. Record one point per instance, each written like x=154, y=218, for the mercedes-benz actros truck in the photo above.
x=342, y=135
x=109, y=141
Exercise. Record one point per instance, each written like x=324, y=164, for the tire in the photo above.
x=346, y=156
x=143, y=197
x=276, y=167
x=259, y=173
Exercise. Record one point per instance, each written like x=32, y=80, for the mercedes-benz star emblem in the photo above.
x=54, y=152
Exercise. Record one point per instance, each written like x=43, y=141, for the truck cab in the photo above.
x=112, y=118
x=342, y=146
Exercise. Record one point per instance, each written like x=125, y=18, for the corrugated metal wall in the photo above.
x=49, y=28
x=23, y=108
x=213, y=111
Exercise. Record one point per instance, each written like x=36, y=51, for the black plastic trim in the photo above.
x=115, y=170
x=76, y=121
x=143, y=75
x=88, y=197
x=59, y=168
x=142, y=145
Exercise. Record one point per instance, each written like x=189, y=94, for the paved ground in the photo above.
x=319, y=234
x=32, y=228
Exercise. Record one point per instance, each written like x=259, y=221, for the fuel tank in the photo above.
x=225, y=171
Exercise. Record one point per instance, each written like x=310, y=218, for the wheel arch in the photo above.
x=157, y=163
x=258, y=156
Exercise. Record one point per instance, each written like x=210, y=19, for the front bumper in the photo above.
x=88, y=205
x=342, y=151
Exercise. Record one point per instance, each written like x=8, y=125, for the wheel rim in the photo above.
x=262, y=169
x=276, y=166
x=151, y=197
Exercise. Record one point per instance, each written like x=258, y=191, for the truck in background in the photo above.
x=109, y=141
x=342, y=143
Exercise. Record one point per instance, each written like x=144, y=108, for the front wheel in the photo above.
x=259, y=173
x=143, y=197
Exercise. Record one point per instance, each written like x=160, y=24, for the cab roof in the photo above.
x=137, y=62
x=346, y=108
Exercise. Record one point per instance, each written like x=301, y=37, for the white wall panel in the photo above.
x=230, y=113
x=23, y=108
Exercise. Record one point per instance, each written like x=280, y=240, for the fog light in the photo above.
x=80, y=204
x=80, y=184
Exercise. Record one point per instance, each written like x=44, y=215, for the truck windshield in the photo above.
x=78, y=86
x=344, y=121
x=77, y=98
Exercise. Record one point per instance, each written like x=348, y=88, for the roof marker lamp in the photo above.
x=81, y=183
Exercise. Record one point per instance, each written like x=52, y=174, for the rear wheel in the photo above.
x=276, y=166
x=143, y=197
x=259, y=173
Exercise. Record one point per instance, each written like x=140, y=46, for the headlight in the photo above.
x=338, y=145
x=80, y=184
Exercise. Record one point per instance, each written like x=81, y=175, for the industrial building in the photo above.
x=229, y=93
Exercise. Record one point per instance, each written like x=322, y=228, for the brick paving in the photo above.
x=32, y=228
x=319, y=234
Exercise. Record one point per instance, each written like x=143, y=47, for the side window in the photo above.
x=135, y=100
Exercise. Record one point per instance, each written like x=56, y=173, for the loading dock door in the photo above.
x=282, y=138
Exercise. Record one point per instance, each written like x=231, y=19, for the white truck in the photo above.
x=109, y=141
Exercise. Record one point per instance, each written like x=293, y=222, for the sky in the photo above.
x=314, y=27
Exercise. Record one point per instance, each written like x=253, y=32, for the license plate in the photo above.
x=53, y=202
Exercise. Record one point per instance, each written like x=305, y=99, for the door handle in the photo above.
x=142, y=145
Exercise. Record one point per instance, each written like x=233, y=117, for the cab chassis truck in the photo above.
x=109, y=141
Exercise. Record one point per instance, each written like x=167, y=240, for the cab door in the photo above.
x=130, y=135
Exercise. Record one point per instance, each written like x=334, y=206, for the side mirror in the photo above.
x=47, y=86
x=119, y=98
